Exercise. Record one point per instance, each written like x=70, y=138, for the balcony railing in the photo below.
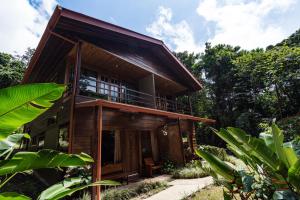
x=121, y=93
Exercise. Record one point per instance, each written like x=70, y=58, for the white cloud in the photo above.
x=243, y=23
x=22, y=23
x=179, y=36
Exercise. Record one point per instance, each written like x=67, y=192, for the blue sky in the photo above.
x=181, y=24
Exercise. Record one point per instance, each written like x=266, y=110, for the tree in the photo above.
x=11, y=70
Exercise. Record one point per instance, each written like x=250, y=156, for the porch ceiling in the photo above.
x=137, y=109
x=125, y=66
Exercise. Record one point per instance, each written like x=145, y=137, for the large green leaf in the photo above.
x=227, y=137
x=23, y=161
x=278, y=144
x=257, y=147
x=13, y=196
x=68, y=186
x=10, y=142
x=22, y=103
x=290, y=154
x=268, y=139
x=294, y=174
x=218, y=166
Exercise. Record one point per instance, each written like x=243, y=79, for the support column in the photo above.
x=181, y=141
x=99, y=148
x=73, y=95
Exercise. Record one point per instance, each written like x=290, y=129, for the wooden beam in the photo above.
x=139, y=109
x=73, y=95
x=99, y=134
x=62, y=37
x=181, y=141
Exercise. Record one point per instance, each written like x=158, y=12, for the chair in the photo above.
x=151, y=166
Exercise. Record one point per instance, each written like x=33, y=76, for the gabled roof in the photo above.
x=73, y=26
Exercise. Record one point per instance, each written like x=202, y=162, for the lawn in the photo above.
x=211, y=192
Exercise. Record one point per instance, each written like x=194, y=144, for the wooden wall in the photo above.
x=48, y=124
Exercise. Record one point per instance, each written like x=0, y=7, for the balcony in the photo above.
x=123, y=93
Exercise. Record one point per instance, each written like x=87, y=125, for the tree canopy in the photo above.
x=245, y=88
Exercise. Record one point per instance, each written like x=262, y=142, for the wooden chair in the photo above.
x=151, y=166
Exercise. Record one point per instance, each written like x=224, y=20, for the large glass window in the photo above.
x=88, y=81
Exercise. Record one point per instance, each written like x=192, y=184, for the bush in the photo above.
x=216, y=151
x=192, y=169
x=146, y=187
x=128, y=193
x=168, y=167
x=187, y=173
x=122, y=194
x=290, y=127
x=271, y=165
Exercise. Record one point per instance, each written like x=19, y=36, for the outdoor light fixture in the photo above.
x=164, y=130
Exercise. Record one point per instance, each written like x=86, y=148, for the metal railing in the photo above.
x=121, y=93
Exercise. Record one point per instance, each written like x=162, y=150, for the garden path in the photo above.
x=181, y=188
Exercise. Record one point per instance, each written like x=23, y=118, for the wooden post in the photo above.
x=73, y=95
x=181, y=142
x=99, y=134
x=190, y=104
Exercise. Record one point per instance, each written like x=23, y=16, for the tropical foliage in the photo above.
x=272, y=166
x=245, y=88
x=19, y=105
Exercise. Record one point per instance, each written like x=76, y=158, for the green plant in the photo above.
x=168, y=167
x=128, y=193
x=266, y=158
x=216, y=151
x=19, y=105
x=189, y=172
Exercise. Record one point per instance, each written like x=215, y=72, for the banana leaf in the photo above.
x=294, y=174
x=229, y=139
x=68, y=186
x=22, y=103
x=10, y=142
x=282, y=154
x=23, y=161
x=13, y=196
x=218, y=166
x=268, y=139
x=258, y=148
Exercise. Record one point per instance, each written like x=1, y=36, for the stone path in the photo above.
x=181, y=188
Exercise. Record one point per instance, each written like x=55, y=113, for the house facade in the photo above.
x=127, y=96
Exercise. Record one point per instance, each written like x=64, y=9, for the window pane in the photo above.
x=88, y=80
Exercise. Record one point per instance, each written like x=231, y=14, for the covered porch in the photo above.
x=120, y=136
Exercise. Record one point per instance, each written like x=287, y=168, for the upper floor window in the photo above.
x=88, y=81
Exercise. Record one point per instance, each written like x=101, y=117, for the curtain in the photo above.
x=154, y=146
x=118, y=155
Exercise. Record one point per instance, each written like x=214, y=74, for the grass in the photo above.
x=144, y=189
x=211, y=192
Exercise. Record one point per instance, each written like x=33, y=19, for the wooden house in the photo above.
x=127, y=96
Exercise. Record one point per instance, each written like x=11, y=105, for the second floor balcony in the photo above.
x=117, y=91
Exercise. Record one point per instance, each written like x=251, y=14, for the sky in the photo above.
x=184, y=25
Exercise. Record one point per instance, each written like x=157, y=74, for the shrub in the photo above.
x=290, y=127
x=187, y=173
x=128, y=193
x=272, y=165
x=216, y=151
x=193, y=169
x=168, y=167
